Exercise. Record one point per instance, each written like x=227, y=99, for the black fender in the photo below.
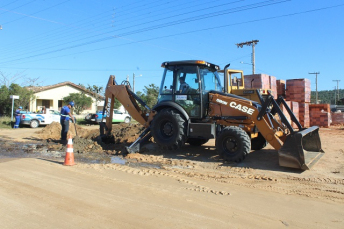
x=170, y=104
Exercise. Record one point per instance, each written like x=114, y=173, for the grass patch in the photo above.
x=81, y=121
x=5, y=122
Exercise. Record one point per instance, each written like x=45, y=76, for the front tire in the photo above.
x=127, y=120
x=233, y=144
x=169, y=129
x=34, y=124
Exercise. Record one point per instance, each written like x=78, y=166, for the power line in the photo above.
x=162, y=25
x=123, y=25
x=257, y=20
x=55, y=33
x=204, y=29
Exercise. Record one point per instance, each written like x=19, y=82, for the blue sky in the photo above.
x=86, y=41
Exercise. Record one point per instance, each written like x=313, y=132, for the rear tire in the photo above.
x=233, y=144
x=168, y=129
x=34, y=124
x=197, y=141
x=258, y=143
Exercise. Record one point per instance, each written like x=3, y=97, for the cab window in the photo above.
x=210, y=80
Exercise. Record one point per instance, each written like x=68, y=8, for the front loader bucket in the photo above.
x=302, y=149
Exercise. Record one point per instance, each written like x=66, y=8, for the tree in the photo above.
x=97, y=92
x=149, y=95
x=5, y=102
x=81, y=101
x=7, y=79
x=25, y=97
x=117, y=104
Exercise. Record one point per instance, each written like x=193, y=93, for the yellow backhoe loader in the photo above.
x=193, y=107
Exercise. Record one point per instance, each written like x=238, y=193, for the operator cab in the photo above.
x=188, y=83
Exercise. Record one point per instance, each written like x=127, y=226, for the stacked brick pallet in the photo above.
x=304, y=114
x=299, y=91
x=337, y=118
x=285, y=112
x=280, y=84
x=295, y=109
x=320, y=115
x=262, y=81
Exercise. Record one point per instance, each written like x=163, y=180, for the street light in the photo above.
x=249, y=43
x=241, y=62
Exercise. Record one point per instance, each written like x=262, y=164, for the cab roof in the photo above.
x=190, y=62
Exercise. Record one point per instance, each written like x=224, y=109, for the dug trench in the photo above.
x=196, y=168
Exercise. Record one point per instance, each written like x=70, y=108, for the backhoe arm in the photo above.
x=127, y=98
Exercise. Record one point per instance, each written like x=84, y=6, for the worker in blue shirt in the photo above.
x=17, y=116
x=64, y=120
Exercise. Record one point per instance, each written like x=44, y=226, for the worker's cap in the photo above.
x=20, y=107
x=71, y=104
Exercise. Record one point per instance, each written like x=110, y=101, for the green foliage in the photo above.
x=25, y=97
x=149, y=95
x=328, y=96
x=80, y=100
x=117, y=104
x=96, y=92
x=5, y=122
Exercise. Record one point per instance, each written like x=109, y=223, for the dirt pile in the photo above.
x=53, y=131
x=89, y=140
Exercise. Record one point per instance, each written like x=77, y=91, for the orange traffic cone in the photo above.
x=69, y=158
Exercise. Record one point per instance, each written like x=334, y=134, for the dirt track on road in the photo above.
x=188, y=188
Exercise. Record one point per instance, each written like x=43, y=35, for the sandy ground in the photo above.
x=188, y=188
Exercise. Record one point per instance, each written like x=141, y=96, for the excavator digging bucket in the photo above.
x=302, y=149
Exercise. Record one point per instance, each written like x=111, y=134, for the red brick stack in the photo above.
x=280, y=84
x=298, y=90
x=338, y=118
x=320, y=107
x=273, y=86
x=320, y=115
x=295, y=109
x=285, y=112
x=304, y=114
x=261, y=81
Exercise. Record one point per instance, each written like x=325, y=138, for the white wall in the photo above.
x=56, y=94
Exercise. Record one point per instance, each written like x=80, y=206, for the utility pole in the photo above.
x=249, y=43
x=134, y=82
x=316, y=85
x=337, y=91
